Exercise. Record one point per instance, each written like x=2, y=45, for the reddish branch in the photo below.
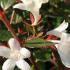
x=7, y=23
x=34, y=63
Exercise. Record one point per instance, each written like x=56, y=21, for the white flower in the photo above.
x=15, y=55
x=59, y=30
x=63, y=45
x=63, y=48
x=31, y=5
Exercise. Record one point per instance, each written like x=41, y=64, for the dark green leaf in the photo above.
x=42, y=55
x=42, y=65
x=5, y=35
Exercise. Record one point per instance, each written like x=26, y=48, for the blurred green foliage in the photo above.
x=53, y=13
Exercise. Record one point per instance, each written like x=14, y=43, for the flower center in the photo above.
x=15, y=54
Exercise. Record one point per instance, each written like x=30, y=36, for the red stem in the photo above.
x=34, y=63
x=7, y=23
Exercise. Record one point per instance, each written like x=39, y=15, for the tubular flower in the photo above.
x=63, y=48
x=31, y=5
x=15, y=55
x=63, y=45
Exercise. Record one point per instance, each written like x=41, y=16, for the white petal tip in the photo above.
x=23, y=65
x=13, y=43
x=45, y=1
x=25, y=52
x=34, y=24
x=11, y=40
x=19, y=6
x=59, y=30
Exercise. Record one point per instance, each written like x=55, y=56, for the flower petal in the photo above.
x=64, y=55
x=65, y=58
x=26, y=5
x=55, y=33
x=54, y=41
x=8, y=65
x=14, y=44
x=66, y=62
x=64, y=50
x=22, y=0
x=45, y=1
x=4, y=51
x=62, y=26
x=64, y=37
x=25, y=53
x=58, y=31
x=36, y=15
x=23, y=65
x=19, y=6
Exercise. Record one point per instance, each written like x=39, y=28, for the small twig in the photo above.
x=34, y=63
x=34, y=30
x=6, y=22
x=12, y=16
x=26, y=25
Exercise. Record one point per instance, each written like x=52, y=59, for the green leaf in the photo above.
x=5, y=4
x=5, y=35
x=42, y=65
x=57, y=22
x=43, y=55
x=37, y=42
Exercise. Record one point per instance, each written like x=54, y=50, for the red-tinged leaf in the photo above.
x=39, y=18
x=17, y=0
x=20, y=31
x=32, y=18
x=1, y=13
x=51, y=37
